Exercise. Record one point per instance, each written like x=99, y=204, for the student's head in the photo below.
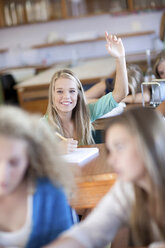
x=135, y=78
x=13, y=163
x=65, y=92
x=28, y=150
x=66, y=96
x=135, y=141
x=159, y=66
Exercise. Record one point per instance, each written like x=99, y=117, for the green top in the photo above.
x=97, y=109
x=104, y=105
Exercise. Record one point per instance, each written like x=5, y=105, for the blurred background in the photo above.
x=43, y=32
x=38, y=34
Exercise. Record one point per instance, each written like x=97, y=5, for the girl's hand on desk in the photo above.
x=68, y=145
x=114, y=46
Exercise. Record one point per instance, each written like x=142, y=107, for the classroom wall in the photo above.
x=20, y=39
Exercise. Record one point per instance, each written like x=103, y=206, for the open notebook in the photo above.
x=82, y=155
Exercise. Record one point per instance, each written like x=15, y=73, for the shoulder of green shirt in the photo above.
x=44, y=118
x=104, y=105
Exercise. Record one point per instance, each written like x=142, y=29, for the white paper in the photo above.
x=116, y=111
x=82, y=155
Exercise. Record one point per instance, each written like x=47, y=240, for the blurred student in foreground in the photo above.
x=33, y=206
x=135, y=142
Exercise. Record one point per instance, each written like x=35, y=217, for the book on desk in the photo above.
x=81, y=156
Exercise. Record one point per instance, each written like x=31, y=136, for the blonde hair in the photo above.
x=159, y=59
x=148, y=128
x=43, y=155
x=135, y=78
x=80, y=114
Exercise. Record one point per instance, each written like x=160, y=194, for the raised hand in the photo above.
x=114, y=46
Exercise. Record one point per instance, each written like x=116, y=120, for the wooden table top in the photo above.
x=93, y=180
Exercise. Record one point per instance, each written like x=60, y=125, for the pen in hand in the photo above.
x=68, y=145
x=60, y=136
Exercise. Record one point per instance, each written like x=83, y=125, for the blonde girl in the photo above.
x=67, y=109
x=33, y=206
x=135, y=142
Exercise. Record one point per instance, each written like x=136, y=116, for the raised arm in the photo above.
x=116, y=49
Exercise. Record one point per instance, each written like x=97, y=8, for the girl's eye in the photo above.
x=72, y=91
x=59, y=91
x=120, y=147
x=14, y=162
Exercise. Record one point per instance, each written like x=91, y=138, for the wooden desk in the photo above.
x=93, y=180
x=33, y=93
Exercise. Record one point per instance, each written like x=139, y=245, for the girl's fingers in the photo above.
x=72, y=144
x=114, y=38
x=72, y=141
x=72, y=148
x=118, y=41
x=111, y=38
x=107, y=39
x=108, y=46
x=106, y=34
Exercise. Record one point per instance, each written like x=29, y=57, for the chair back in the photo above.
x=9, y=93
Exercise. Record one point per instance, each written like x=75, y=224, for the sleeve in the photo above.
x=101, y=226
x=104, y=105
x=52, y=214
x=44, y=118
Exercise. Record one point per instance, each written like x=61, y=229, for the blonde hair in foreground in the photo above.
x=80, y=114
x=149, y=130
x=43, y=155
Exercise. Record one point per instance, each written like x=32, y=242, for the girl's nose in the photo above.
x=66, y=95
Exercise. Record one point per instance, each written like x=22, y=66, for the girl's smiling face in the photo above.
x=65, y=95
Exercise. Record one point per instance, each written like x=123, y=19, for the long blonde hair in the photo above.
x=80, y=114
x=148, y=128
x=42, y=149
